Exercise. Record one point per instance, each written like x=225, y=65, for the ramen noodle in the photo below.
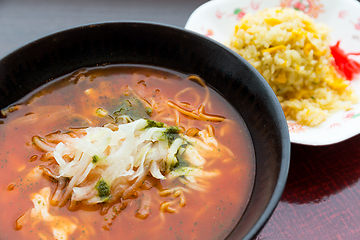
x=126, y=151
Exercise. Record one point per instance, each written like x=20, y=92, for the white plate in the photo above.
x=217, y=19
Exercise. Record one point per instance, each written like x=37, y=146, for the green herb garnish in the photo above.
x=152, y=123
x=103, y=189
x=133, y=106
x=95, y=159
x=171, y=133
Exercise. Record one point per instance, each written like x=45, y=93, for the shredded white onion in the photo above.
x=128, y=154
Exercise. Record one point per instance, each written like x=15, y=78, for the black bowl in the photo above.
x=173, y=48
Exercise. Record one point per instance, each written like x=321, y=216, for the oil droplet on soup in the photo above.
x=123, y=150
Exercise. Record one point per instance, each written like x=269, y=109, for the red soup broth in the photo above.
x=71, y=101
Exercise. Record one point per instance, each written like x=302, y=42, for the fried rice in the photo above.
x=293, y=55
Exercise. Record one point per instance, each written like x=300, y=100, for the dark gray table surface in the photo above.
x=22, y=21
